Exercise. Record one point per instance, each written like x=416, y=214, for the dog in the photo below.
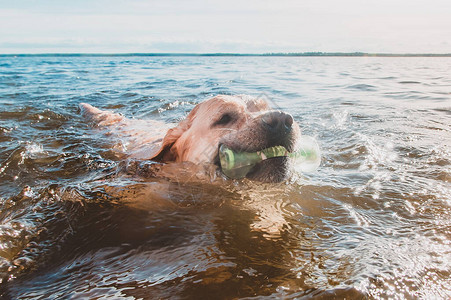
x=241, y=123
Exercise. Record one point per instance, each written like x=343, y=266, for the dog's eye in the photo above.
x=224, y=120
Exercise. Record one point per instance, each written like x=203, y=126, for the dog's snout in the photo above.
x=288, y=120
x=277, y=122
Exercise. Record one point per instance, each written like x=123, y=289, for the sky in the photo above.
x=232, y=26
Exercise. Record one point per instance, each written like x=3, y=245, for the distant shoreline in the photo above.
x=294, y=54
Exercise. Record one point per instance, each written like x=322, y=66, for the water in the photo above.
x=373, y=222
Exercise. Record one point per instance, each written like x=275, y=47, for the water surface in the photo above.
x=373, y=222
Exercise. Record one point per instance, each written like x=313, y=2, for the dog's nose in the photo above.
x=277, y=122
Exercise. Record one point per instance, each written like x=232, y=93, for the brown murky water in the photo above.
x=373, y=222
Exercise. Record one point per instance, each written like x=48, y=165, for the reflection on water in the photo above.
x=373, y=222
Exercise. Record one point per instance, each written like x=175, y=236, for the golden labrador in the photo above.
x=241, y=123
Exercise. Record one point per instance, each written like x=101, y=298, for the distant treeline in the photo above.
x=339, y=54
x=361, y=54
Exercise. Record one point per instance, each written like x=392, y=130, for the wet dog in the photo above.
x=241, y=123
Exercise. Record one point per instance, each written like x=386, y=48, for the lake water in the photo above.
x=374, y=221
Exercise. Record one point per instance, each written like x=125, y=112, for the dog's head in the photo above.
x=241, y=123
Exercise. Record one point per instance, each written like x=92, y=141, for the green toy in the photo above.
x=238, y=164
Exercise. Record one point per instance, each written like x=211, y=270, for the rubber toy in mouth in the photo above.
x=238, y=164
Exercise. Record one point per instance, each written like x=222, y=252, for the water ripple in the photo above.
x=373, y=221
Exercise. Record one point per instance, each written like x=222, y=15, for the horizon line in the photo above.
x=292, y=54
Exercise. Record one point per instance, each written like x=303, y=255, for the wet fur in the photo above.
x=235, y=121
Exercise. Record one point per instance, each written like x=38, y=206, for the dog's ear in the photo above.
x=255, y=104
x=167, y=152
